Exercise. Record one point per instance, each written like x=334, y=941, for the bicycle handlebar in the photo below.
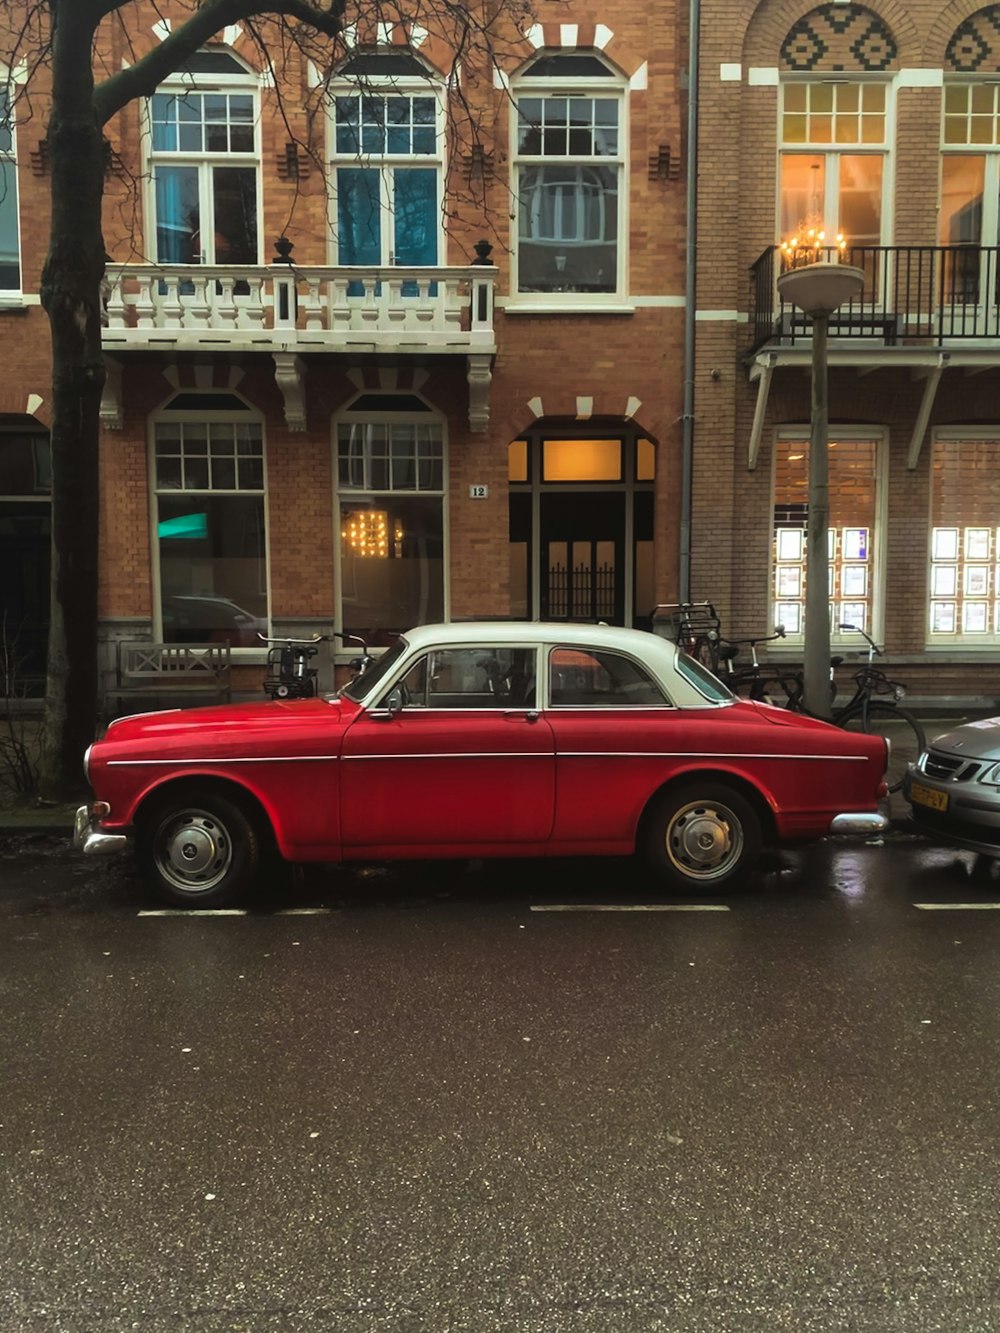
x=873, y=650
x=305, y=643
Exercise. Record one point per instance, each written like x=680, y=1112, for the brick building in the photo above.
x=388, y=429
x=882, y=122
x=328, y=405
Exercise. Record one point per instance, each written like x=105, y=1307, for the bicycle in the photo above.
x=877, y=716
x=776, y=687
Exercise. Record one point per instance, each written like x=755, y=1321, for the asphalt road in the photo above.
x=416, y=1103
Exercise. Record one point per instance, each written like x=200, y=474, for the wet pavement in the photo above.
x=475, y=1103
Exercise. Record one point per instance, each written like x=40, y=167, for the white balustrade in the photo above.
x=441, y=307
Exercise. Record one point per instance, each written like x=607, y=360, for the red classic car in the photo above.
x=482, y=740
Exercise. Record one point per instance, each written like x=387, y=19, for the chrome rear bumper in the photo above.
x=868, y=823
x=91, y=838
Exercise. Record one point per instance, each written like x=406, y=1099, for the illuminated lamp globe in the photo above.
x=820, y=289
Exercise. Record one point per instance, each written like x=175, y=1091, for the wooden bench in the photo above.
x=164, y=673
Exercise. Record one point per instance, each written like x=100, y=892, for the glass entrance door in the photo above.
x=582, y=557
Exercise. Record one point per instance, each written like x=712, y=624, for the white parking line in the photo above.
x=631, y=907
x=236, y=911
x=958, y=907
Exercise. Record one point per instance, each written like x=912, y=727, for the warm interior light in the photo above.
x=809, y=245
x=366, y=532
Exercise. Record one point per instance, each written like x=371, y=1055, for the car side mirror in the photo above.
x=390, y=707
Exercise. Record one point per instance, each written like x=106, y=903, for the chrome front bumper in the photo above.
x=91, y=838
x=865, y=824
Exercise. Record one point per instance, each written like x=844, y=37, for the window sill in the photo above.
x=511, y=306
x=13, y=305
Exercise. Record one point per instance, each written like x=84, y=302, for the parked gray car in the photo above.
x=954, y=787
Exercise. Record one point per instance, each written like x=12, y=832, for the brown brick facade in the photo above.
x=746, y=51
x=581, y=373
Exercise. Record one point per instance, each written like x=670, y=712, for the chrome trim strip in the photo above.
x=224, y=759
x=461, y=754
x=608, y=754
x=703, y=754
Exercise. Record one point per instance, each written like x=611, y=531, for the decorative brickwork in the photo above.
x=841, y=38
x=975, y=45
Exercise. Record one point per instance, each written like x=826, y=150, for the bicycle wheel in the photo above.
x=900, y=728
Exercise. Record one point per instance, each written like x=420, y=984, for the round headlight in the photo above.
x=86, y=762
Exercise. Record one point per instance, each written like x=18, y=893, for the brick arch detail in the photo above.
x=14, y=403
x=965, y=38
x=620, y=51
x=766, y=26
x=561, y=409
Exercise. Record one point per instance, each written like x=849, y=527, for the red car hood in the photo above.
x=223, y=719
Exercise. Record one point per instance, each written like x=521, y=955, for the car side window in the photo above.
x=482, y=677
x=582, y=677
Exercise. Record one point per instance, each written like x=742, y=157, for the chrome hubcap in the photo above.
x=194, y=850
x=704, y=839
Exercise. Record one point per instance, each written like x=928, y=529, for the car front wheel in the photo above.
x=702, y=837
x=199, y=849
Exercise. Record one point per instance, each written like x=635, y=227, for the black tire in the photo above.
x=702, y=837
x=198, y=848
x=898, y=726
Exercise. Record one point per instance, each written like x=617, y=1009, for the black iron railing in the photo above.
x=919, y=294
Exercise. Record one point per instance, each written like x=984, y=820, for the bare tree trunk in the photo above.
x=71, y=296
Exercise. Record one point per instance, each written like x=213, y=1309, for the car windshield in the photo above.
x=362, y=685
x=702, y=679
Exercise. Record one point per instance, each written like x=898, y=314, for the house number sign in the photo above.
x=479, y=492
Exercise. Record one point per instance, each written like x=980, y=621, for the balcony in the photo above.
x=933, y=296
x=287, y=310
x=926, y=309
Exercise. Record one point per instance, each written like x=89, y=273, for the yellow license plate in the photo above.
x=937, y=800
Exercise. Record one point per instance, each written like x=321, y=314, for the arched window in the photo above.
x=10, y=243
x=205, y=160
x=391, y=485
x=208, y=495
x=387, y=162
x=569, y=176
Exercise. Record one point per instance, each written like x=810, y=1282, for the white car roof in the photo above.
x=659, y=654
x=535, y=631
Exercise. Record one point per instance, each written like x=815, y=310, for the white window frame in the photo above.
x=13, y=295
x=959, y=642
x=613, y=88
x=387, y=86
x=840, y=640
x=989, y=233
x=345, y=652
x=178, y=83
x=833, y=152
x=164, y=415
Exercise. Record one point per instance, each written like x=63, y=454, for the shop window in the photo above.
x=569, y=176
x=964, y=554
x=204, y=157
x=210, y=530
x=852, y=535
x=10, y=243
x=391, y=483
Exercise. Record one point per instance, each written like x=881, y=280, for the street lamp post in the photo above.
x=818, y=290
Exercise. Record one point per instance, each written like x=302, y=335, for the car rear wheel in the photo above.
x=702, y=837
x=198, y=849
